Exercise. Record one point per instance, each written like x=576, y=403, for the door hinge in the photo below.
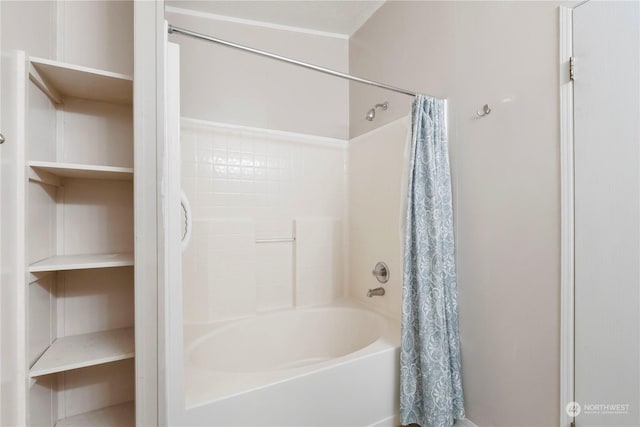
x=572, y=69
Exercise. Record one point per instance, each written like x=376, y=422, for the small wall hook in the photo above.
x=485, y=110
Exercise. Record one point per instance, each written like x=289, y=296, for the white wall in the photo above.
x=96, y=34
x=247, y=184
x=225, y=85
x=29, y=26
x=506, y=181
x=91, y=33
x=376, y=162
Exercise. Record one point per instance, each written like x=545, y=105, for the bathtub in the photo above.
x=334, y=365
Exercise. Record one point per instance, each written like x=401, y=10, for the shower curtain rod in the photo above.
x=178, y=30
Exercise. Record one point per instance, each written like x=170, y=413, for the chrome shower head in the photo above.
x=371, y=114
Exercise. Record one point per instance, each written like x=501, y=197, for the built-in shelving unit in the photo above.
x=52, y=172
x=122, y=415
x=82, y=262
x=80, y=351
x=79, y=213
x=59, y=80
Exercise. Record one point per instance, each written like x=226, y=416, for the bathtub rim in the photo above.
x=388, y=341
x=381, y=325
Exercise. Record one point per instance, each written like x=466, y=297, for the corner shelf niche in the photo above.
x=59, y=80
x=81, y=351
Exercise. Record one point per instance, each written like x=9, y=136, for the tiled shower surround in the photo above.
x=246, y=185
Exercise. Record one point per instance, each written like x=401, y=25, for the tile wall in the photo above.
x=245, y=185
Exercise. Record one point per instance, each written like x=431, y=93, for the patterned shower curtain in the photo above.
x=430, y=374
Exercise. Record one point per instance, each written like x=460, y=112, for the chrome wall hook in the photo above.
x=485, y=111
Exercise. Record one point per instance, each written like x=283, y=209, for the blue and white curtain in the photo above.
x=430, y=373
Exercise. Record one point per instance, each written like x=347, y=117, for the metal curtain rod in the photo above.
x=173, y=29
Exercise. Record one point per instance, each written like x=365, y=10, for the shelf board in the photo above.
x=51, y=172
x=122, y=415
x=59, y=80
x=82, y=262
x=80, y=351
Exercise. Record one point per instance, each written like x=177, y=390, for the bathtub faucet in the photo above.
x=375, y=292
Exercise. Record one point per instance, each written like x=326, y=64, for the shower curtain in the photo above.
x=430, y=374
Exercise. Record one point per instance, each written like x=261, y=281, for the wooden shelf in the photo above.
x=82, y=262
x=59, y=80
x=80, y=351
x=122, y=415
x=51, y=172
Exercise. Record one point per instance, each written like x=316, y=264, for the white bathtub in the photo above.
x=328, y=366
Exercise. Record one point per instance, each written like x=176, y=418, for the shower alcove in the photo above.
x=269, y=321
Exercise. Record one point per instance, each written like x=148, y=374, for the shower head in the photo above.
x=371, y=114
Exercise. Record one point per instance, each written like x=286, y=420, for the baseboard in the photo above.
x=394, y=421
x=465, y=423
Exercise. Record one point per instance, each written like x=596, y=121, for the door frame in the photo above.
x=13, y=320
x=567, y=226
x=148, y=181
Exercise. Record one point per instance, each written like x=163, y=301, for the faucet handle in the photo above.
x=381, y=272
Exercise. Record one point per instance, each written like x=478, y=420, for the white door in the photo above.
x=606, y=37
x=12, y=267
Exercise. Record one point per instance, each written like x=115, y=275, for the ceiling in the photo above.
x=340, y=17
